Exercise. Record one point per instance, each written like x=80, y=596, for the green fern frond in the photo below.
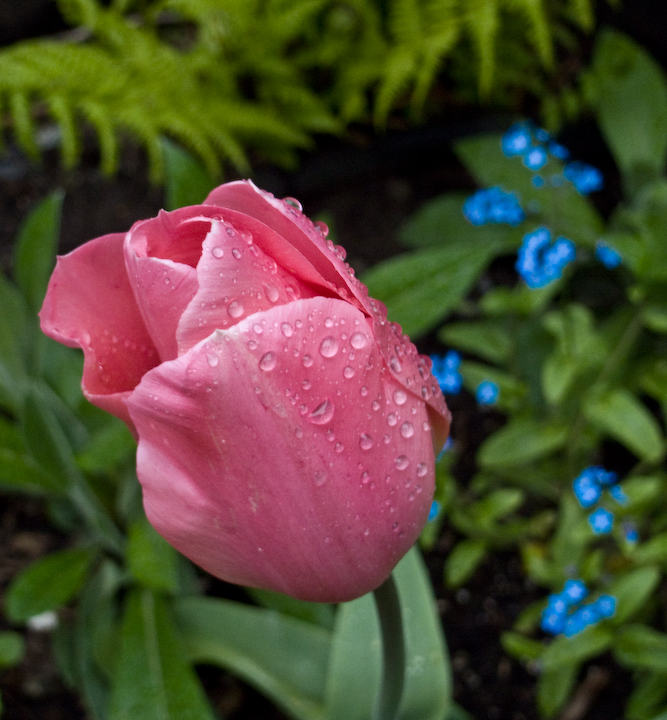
x=99, y=118
x=19, y=106
x=539, y=33
x=482, y=23
x=582, y=13
x=404, y=24
x=400, y=69
x=63, y=114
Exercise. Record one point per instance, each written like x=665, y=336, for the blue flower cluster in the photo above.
x=487, y=392
x=446, y=371
x=588, y=487
x=493, y=205
x=607, y=255
x=564, y=614
x=585, y=178
x=540, y=260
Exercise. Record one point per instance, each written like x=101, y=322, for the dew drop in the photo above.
x=339, y=447
x=394, y=364
x=322, y=227
x=375, y=405
x=392, y=419
x=293, y=202
x=298, y=432
x=426, y=393
x=426, y=427
x=306, y=384
x=400, y=396
x=323, y=413
x=307, y=361
x=286, y=329
x=365, y=441
x=330, y=435
x=358, y=340
x=365, y=478
x=257, y=329
x=235, y=308
x=268, y=361
x=217, y=252
x=236, y=253
x=293, y=293
x=252, y=344
x=328, y=347
x=401, y=462
x=367, y=532
x=386, y=439
x=328, y=322
x=422, y=469
x=272, y=293
x=363, y=390
x=212, y=359
x=320, y=477
x=348, y=372
x=407, y=430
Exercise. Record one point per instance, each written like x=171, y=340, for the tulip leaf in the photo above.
x=521, y=441
x=619, y=413
x=150, y=558
x=188, y=182
x=284, y=658
x=639, y=646
x=48, y=583
x=35, y=249
x=420, y=288
x=317, y=613
x=153, y=678
x=355, y=663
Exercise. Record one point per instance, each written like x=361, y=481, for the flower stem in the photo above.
x=388, y=607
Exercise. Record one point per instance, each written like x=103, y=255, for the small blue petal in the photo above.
x=516, y=140
x=585, y=178
x=558, y=604
x=617, y=492
x=601, y=521
x=538, y=181
x=433, y=512
x=606, y=254
x=552, y=622
x=535, y=158
x=586, y=490
x=452, y=360
x=560, y=152
x=487, y=392
x=606, y=606
x=574, y=591
x=573, y=625
x=589, y=614
x=542, y=135
x=630, y=532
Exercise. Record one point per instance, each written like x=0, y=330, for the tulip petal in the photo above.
x=398, y=352
x=280, y=453
x=90, y=304
x=235, y=279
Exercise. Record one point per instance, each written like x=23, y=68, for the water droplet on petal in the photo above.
x=394, y=364
x=236, y=253
x=348, y=372
x=212, y=359
x=307, y=361
x=235, y=308
x=365, y=441
x=392, y=419
x=358, y=340
x=407, y=430
x=328, y=322
x=257, y=329
x=323, y=413
x=375, y=405
x=365, y=478
x=217, y=251
x=286, y=329
x=400, y=396
x=272, y=293
x=320, y=477
x=330, y=435
x=293, y=293
x=306, y=384
x=322, y=227
x=339, y=447
x=328, y=347
x=401, y=462
x=363, y=390
x=293, y=202
x=268, y=361
x=426, y=427
x=422, y=469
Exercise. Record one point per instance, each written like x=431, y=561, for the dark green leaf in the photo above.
x=554, y=688
x=639, y=646
x=15, y=330
x=648, y=694
x=463, y=560
x=487, y=339
x=150, y=558
x=521, y=441
x=12, y=648
x=35, y=250
x=632, y=591
x=564, y=651
x=620, y=414
x=188, y=182
x=153, y=679
x=284, y=658
x=521, y=647
x=420, y=288
x=49, y=583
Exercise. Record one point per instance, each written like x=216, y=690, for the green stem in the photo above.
x=388, y=607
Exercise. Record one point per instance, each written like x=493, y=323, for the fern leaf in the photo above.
x=482, y=22
x=62, y=113
x=435, y=49
x=19, y=107
x=100, y=119
x=582, y=12
x=399, y=70
x=405, y=25
x=540, y=34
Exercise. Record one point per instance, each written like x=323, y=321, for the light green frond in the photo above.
x=63, y=114
x=539, y=33
x=24, y=128
x=400, y=70
x=99, y=118
x=435, y=49
x=482, y=23
x=405, y=25
x=582, y=13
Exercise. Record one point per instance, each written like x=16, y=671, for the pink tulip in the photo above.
x=286, y=430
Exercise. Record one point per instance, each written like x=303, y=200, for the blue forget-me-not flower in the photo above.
x=446, y=371
x=607, y=255
x=493, y=205
x=487, y=392
x=540, y=260
x=562, y=615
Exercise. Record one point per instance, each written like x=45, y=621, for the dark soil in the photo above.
x=369, y=185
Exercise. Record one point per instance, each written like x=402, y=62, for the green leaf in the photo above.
x=15, y=330
x=317, y=613
x=620, y=414
x=420, y=288
x=554, y=688
x=153, y=679
x=48, y=583
x=35, y=250
x=564, y=651
x=653, y=551
x=632, y=591
x=520, y=647
x=284, y=658
x=631, y=104
x=188, y=182
x=512, y=391
x=648, y=694
x=150, y=558
x=521, y=441
x=639, y=646
x=12, y=648
x=463, y=560
x=109, y=446
x=487, y=339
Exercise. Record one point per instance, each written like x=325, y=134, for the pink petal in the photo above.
x=235, y=279
x=398, y=352
x=281, y=453
x=89, y=304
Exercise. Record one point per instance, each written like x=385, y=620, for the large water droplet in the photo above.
x=328, y=322
x=217, y=251
x=212, y=359
x=407, y=429
x=236, y=253
x=392, y=419
x=328, y=347
x=307, y=361
x=257, y=329
x=401, y=462
x=348, y=372
x=422, y=469
x=365, y=441
x=293, y=202
x=322, y=227
x=235, y=308
x=339, y=447
x=323, y=413
x=272, y=293
x=268, y=361
x=286, y=329
x=358, y=340
x=400, y=396
x=394, y=364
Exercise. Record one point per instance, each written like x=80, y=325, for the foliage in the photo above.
x=579, y=361
x=221, y=77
